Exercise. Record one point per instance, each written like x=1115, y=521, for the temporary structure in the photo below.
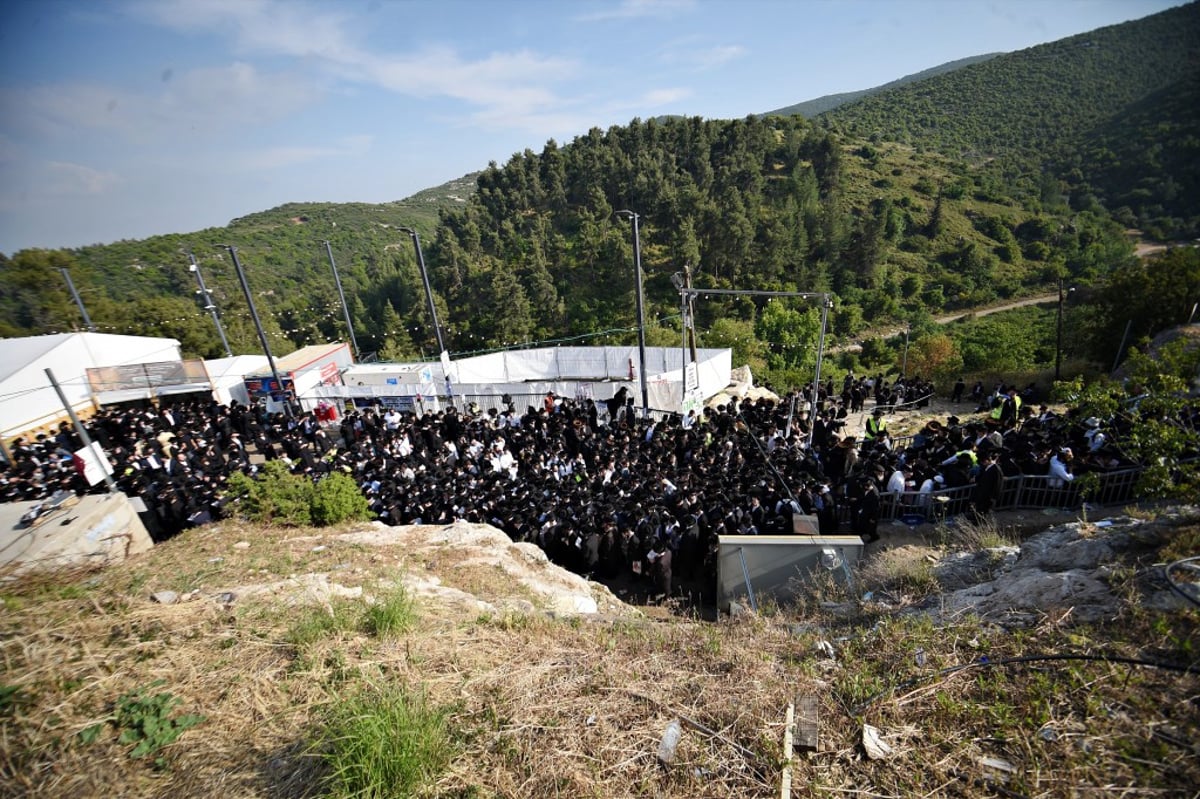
x=27, y=397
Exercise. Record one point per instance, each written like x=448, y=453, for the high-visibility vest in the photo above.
x=970, y=453
x=875, y=426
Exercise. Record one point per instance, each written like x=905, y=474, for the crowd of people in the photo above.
x=603, y=495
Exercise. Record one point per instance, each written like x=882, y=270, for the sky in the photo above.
x=122, y=119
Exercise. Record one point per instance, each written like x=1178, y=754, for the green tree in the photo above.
x=1150, y=296
x=1150, y=414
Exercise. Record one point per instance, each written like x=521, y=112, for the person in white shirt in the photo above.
x=1060, y=468
x=1095, y=439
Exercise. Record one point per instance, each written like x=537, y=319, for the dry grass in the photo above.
x=543, y=707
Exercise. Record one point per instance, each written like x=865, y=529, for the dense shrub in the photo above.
x=336, y=499
x=276, y=496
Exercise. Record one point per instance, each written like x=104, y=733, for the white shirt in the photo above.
x=1059, y=473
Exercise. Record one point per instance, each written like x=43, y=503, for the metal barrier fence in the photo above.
x=1023, y=491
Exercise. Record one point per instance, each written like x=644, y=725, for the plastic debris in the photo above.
x=998, y=764
x=874, y=745
x=919, y=656
x=669, y=742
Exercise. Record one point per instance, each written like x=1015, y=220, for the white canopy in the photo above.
x=28, y=399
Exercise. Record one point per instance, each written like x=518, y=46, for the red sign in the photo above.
x=329, y=373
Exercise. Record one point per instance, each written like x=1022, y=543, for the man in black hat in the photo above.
x=988, y=484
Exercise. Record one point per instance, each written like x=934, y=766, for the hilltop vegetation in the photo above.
x=828, y=102
x=432, y=662
x=988, y=182
x=1092, y=118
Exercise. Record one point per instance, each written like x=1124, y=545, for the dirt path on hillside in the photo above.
x=944, y=319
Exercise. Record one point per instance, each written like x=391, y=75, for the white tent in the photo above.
x=526, y=375
x=28, y=399
x=228, y=376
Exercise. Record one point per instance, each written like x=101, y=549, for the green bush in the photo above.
x=276, y=496
x=383, y=742
x=337, y=499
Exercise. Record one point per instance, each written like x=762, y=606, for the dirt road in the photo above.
x=945, y=319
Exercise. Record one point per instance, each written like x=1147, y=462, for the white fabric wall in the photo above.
x=596, y=372
x=28, y=400
x=228, y=376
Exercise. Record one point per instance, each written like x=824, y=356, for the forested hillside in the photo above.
x=1075, y=119
x=828, y=102
x=924, y=198
x=764, y=203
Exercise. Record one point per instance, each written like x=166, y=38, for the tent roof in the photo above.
x=20, y=352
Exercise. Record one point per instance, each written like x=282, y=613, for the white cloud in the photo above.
x=503, y=86
x=67, y=179
x=200, y=101
x=705, y=58
x=255, y=26
x=506, y=82
x=291, y=155
x=660, y=97
x=638, y=9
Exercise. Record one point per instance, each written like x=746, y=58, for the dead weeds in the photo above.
x=575, y=707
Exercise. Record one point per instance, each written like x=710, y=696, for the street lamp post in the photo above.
x=1059, y=332
x=641, y=318
x=87, y=320
x=342, y=296
x=208, y=303
x=262, y=336
x=904, y=366
x=437, y=328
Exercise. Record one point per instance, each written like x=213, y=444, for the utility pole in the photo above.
x=1058, y=335
x=641, y=317
x=95, y=451
x=87, y=320
x=342, y=296
x=437, y=326
x=208, y=303
x=826, y=304
x=262, y=336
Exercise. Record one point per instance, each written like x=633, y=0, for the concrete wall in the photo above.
x=778, y=564
x=100, y=530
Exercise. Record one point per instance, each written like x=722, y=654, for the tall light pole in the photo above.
x=262, y=336
x=1058, y=336
x=904, y=367
x=641, y=317
x=826, y=304
x=342, y=296
x=87, y=320
x=208, y=303
x=437, y=328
